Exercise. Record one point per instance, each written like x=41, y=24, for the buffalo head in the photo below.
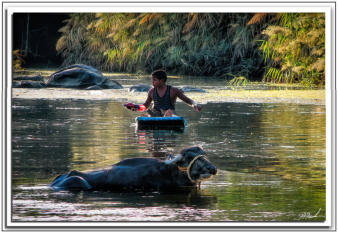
x=194, y=162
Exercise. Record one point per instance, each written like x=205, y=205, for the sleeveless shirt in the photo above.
x=164, y=102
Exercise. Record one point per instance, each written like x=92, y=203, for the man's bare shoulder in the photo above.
x=151, y=91
x=176, y=90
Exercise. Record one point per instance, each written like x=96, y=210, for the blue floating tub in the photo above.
x=161, y=123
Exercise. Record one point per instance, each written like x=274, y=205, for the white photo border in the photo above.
x=11, y=7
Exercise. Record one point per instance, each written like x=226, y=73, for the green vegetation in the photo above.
x=295, y=49
x=18, y=60
x=238, y=81
x=285, y=48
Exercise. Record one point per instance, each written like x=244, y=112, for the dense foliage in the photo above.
x=295, y=49
x=224, y=45
x=197, y=44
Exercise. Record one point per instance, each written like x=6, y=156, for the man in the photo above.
x=164, y=97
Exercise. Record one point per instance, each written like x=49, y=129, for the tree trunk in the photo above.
x=27, y=36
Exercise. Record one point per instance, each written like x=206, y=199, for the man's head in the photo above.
x=159, y=77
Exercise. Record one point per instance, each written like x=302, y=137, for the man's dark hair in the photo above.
x=160, y=74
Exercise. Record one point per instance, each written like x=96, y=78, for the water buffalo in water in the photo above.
x=75, y=76
x=28, y=84
x=192, y=89
x=35, y=81
x=38, y=78
x=140, y=88
x=186, y=169
x=83, y=77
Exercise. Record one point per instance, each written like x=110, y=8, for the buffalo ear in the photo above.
x=174, y=160
x=197, y=150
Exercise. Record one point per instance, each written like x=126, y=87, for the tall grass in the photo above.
x=277, y=47
x=294, y=49
x=181, y=43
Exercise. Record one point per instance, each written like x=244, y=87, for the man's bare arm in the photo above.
x=183, y=97
x=187, y=100
x=149, y=98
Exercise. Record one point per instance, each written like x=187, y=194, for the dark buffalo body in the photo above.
x=81, y=76
x=140, y=88
x=78, y=76
x=141, y=173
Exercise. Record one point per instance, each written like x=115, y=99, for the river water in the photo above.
x=270, y=160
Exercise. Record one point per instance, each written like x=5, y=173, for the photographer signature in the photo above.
x=308, y=214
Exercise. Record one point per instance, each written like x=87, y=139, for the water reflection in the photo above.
x=270, y=158
x=96, y=206
x=280, y=139
x=160, y=143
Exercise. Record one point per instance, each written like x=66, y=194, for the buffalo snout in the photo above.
x=212, y=169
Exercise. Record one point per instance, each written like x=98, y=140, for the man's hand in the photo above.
x=130, y=106
x=197, y=107
x=135, y=107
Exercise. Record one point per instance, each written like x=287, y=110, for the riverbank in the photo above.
x=217, y=90
x=316, y=97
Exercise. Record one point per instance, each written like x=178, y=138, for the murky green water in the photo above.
x=270, y=160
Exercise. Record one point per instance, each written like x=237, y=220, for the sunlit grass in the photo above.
x=262, y=96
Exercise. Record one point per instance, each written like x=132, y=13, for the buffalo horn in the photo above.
x=174, y=160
